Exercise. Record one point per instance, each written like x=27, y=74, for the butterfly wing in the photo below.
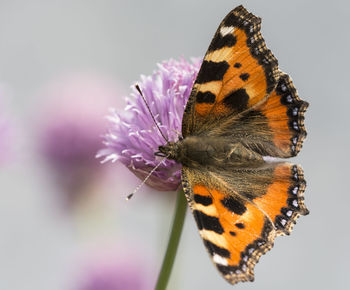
x=240, y=93
x=240, y=97
x=284, y=115
x=238, y=72
x=274, y=128
x=239, y=213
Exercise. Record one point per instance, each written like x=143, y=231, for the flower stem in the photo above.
x=178, y=222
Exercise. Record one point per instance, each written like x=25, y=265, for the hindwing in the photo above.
x=240, y=213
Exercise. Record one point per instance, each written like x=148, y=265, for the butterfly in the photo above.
x=242, y=110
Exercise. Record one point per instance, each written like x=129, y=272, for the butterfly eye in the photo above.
x=162, y=151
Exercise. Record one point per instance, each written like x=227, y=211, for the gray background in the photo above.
x=122, y=39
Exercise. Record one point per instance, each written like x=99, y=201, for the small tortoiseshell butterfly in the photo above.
x=241, y=109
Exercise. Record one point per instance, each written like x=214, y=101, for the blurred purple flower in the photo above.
x=133, y=137
x=6, y=136
x=71, y=127
x=114, y=270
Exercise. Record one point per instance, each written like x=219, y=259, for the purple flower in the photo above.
x=133, y=137
x=71, y=127
x=113, y=269
x=6, y=132
x=4, y=138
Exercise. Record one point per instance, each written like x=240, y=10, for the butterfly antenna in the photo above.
x=148, y=176
x=149, y=110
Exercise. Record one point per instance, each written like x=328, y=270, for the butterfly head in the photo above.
x=170, y=150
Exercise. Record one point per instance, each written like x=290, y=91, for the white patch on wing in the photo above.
x=224, y=30
x=213, y=237
x=270, y=159
x=208, y=210
x=220, y=260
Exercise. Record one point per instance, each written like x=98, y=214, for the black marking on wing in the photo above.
x=226, y=270
x=212, y=71
x=214, y=249
x=220, y=41
x=240, y=225
x=207, y=222
x=244, y=76
x=206, y=97
x=234, y=205
x=204, y=200
x=237, y=100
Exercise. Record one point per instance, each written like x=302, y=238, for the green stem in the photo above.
x=178, y=222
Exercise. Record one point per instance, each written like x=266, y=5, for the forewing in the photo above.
x=238, y=72
x=239, y=213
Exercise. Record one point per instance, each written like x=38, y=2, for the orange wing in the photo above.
x=274, y=128
x=284, y=112
x=283, y=200
x=234, y=232
x=238, y=72
x=238, y=221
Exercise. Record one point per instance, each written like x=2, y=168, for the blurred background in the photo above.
x=63, y=217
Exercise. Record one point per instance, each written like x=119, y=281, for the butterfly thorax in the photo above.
x=196, y=151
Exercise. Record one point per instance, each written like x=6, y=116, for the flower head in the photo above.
x=71, y=127
x=113, y=269
x=133, y=138
x=6, y=131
